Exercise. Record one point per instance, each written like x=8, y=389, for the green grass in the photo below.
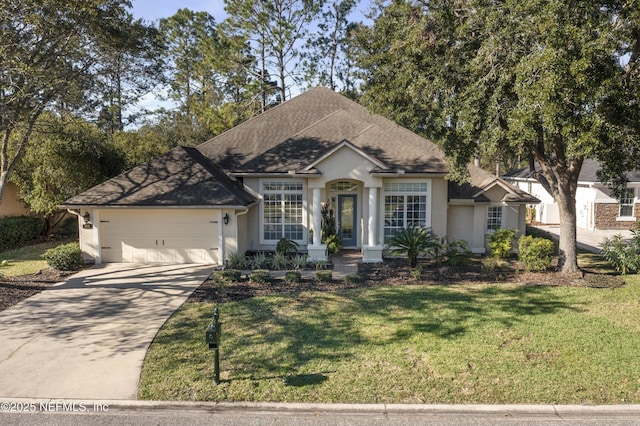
x=413, y=344
x=25, y=260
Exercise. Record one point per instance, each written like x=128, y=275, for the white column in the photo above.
x=373, y=215
x=317, y=217
x=316, y=250
x=372, y=252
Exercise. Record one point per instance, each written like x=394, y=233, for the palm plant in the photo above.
x=411, y=242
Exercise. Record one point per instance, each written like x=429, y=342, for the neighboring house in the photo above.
x=596, y=208
x=11, y=204
x=269, y=178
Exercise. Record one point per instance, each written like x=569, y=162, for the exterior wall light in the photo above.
x=225, y=219
x=86, y=217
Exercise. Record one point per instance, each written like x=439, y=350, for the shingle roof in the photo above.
x=181, y=177
x=479, y=181
x=296, y=133
x=588, y=173
x=290, y=137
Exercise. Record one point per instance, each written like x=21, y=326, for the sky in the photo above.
x=152, y=10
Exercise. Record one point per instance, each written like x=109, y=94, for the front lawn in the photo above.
x=472, y=343
x=25, y=260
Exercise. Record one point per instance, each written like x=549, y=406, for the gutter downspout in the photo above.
x=243, y=212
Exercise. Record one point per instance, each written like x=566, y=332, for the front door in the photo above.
x=347, y=220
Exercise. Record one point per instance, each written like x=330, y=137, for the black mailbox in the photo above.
x=212, y=335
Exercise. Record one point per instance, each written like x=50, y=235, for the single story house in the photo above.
x=11, y=204
x=269, y=178
x=596, y=207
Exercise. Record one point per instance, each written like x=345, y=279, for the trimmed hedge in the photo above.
x=293, y=277
x=233, y=275
x=324, y=276
x=19, y=230
x=535, y=253
x=260, y=276
x=65, y=257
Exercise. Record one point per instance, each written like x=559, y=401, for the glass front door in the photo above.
x=347, y=220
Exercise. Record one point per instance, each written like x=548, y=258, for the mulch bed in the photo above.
x=16, y=289
x=395, y=272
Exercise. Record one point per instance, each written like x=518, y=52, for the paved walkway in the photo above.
x=588, y=240
x=87, y=338
x=345, y=263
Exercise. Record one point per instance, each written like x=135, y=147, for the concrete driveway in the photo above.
x=588, y=240
x=87, y=338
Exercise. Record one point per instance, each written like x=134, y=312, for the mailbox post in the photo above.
x=212, y=337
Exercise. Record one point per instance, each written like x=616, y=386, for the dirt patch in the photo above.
x=15, y=289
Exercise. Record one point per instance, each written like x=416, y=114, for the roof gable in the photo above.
x=481, y=182
x=348, y=145
x=297, y=133
x=181, y=177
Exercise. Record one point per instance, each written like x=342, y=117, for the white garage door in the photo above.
x=150, y=235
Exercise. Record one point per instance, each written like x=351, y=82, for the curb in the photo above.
x=544, y=410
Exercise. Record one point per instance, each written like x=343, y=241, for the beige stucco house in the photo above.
x=269, y=178
x=11, y=204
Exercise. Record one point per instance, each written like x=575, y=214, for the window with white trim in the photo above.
x=626, y=203
x=282, y=213
x=494, y=218
x=405, y=204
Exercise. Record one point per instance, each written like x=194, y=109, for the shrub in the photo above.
x=457, y=253
x=495, y=268
x=324, y=276
x=539, y=233
x=411, y=242
x=623, y=255
x=501, y=242
x=65, y=257
x=352, y=279
x=286, y=247
x=18, y=231
x=535, y=253
x=257, y=261
x=232, y=275
x=260, y=276
x=416, y=273
x=237, y=260
x=334, y=243
x=293, y=277
x=279, y=261
x=299, y=261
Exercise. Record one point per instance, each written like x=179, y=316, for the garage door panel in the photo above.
x=184, y=236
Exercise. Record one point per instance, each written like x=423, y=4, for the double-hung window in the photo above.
x=282, y=214
x=626, y=203
x=406, y=204
x=494, y=218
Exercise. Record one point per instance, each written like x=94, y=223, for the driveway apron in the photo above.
x=87, y=337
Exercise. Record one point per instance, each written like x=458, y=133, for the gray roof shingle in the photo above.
x=588, y=173
x=296, y=133
x=289, y=137
x=181, y=177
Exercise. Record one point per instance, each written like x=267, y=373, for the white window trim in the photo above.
x=305, y=209
x=633, y=208
x=384, y=194
x=486, y=218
